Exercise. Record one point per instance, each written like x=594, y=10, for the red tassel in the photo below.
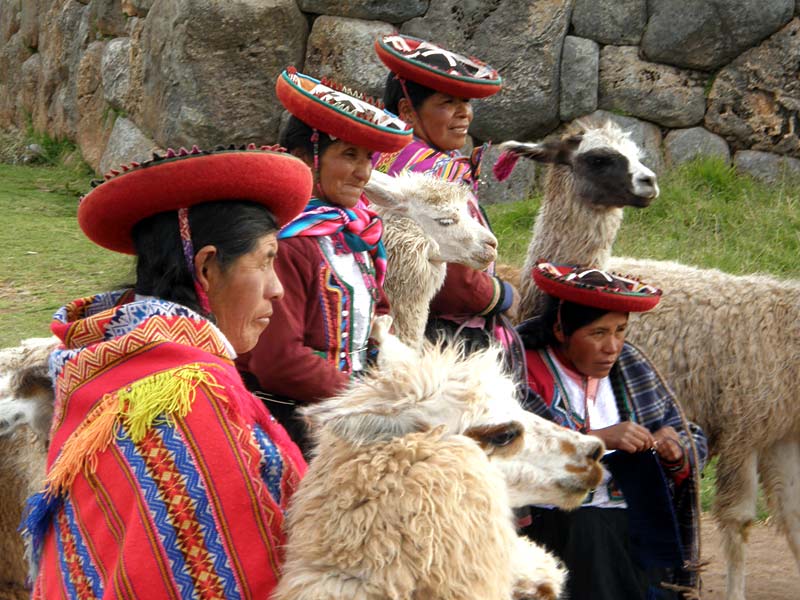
x=504, y=165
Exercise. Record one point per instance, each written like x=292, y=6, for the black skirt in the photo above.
x=595, y=548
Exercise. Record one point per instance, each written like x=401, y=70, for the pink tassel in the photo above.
x=171, y=153
x=504, y=165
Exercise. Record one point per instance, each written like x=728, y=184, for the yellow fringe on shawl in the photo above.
x=137, y=406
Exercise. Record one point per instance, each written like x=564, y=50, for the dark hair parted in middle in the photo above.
x=393, y=93
x=233, y=227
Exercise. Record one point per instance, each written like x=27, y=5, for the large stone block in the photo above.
x=341, y=48
x=107, y=17
x=126, y=144
x=706, y=34
x=31, y=13
x=376, y=10
x=666, y=95
x=646, y=135
x=523, y=40
x=619, y=22
x=10, y=17
x=136, y=8
x=580, y=61
x=765, y=166
x=95, y=120
x=755, y=101
x=65, y=33
x=115, y=71
x=683, y=145
x=209, y=69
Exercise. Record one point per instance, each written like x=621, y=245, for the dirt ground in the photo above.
x=771, y=570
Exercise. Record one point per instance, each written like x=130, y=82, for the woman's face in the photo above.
x=594, y=348
x=344, y=170
x=241, y=296
x=442, y=121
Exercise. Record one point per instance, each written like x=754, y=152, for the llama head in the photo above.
x=604, y=161
x=441, y=209
x=26, y=391
x=470, y=395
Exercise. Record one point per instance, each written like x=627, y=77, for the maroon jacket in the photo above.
x=304, y=354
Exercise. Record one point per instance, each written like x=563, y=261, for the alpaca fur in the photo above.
x=426, y=225
x=25, y=410
x=401, y=503
x=728, y=344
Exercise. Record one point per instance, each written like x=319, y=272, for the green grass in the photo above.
x=706, y=215
x=46, y=260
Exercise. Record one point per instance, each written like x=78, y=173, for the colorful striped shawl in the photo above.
x=166, y=478
x=361, y=229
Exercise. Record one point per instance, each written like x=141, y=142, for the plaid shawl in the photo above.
x=645, y=398
x=165, y=477
x=360, y=227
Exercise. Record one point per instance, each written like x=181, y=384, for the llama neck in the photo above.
x=566, y=230
x=412, y=280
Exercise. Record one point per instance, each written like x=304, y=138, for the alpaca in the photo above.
x=25, y=410
x=729, y=344
x=426, y=225
x=592, y=176
x=409, y=493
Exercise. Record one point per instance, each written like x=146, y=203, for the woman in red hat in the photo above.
x=431, y=88
x=332, y=260
x=165, y=477
x=639, y=527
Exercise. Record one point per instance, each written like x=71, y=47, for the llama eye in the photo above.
x=445, y=222
x=598, y=160
x=504, y=438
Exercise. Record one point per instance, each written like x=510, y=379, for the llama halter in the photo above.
x=182, y=179
x=341, y=112
x=568, y=282
x=430, y=65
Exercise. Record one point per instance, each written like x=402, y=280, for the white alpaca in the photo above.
x=729, y=345
x=26, y=404
x=426, y=225
x=416, y=468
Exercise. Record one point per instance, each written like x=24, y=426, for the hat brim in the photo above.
x=459, y=86
x=338, y=123
x=588, y=295
x=276, y=180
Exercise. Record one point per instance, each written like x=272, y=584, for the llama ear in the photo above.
x=385, y=190
x=555, y=152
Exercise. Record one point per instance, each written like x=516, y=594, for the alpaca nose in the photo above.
x=492, y=243
x=648, y=180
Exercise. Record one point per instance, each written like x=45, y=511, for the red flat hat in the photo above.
x=340, y=113
x=568, y=282
x=276, y=180
x=439, y=69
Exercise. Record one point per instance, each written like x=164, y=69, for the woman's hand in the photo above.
x=668, y=444
x=626, y=436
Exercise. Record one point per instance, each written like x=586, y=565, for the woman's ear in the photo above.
x=206, y=267
x=559, y=333
x=407, y=112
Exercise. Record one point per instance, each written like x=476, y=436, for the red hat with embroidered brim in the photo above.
x=439, y=69
x=341, y=113
x=595, y=288
x=277, y=180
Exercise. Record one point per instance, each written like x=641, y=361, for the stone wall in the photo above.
x=688, y=77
